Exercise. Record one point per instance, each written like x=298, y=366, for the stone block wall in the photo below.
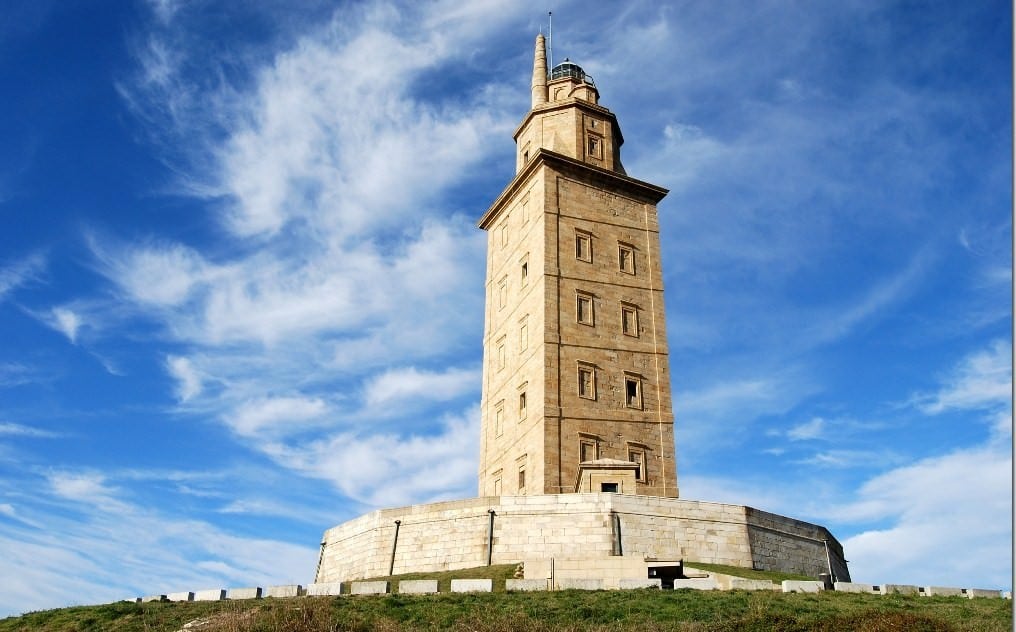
x=453, y=535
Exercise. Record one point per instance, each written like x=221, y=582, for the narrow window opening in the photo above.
x=638, y=457
x=524, y=334
x=522, y=405
x=587, y=451
x=629, y=320
x=522, y=479
x=499, y=420
x=502, y=293
x=584, y=309
x=626, y=258
x=608, y=487
x=501, y=353
x=583, y=247
x=525, y=272
x=587, y=382
x=632, y=392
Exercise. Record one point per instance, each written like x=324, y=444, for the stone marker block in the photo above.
x=697, y=583
x=472, y=585
x=323, y=589
x=739, y=583
x=368, y=588
x=898, y=589
x=525, y=585
x=288, y=590
x=576, y=583
x=974, y=593
x=153, y=598
x=942, y=591
x=639, y=582
x=793, y=585
x=244, y=593
x=417, y=586
x=180, y=596
x=1006, y=594
x=852, y=587
x=212, y=594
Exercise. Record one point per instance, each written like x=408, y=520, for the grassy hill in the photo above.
x=614, y=611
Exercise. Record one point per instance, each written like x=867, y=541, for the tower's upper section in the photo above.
x=566, y=117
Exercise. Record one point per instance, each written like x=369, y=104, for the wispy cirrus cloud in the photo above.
x=16, y=274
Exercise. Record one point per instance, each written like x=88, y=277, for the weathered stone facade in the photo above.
x=575, y=349
x=572, y=528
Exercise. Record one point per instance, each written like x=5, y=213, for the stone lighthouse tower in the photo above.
x=576, y=378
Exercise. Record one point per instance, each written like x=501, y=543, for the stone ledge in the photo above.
x=898, y=589
x=244, y=593
x=368, y=588
x=417, y=586
x=324, y=589
x=211, y=594
x=941, y=591
x=472, y=585
x=287, y=590
x=525, y=585
x=853, y=587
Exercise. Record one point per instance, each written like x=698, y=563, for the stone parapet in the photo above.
x=244, y=593
x=472, y=585
x=368, y=588
x=211, y=594
x=898, y=589
x=417, y=586
x=323, y=590
x=525, y=585
x=288, y=590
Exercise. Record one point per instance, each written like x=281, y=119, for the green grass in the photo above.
x=747, y=573
x=599, y=611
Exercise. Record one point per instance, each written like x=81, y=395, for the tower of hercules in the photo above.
x=576, y=378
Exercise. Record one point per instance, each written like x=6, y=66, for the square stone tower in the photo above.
x=576, y=378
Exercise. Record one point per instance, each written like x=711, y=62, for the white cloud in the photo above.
x=17, y=430
x=188, y=379
x=954, y=509
x=396, y=386
x=809, y=430
x=7, y=509
x=388, y=469
x=983, y=380
x=66, y=322
x=277, y=415
x=20, y=272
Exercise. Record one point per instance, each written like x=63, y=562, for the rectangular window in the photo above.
x=524, y=270
x=525, y=209
x=632, y=391
x=504, y=233
x=587, y=382
x=584, y=309
x=583, y=246
x=587, y=450
x=608, y=487
x=638, y=457
x=524, y=333
x=522, y=405
x=497, y=485
x=500, y=353
x=594, y=146
x=626, y=258
x=629, y=320
x=522, y=479
x=499, y=419
x=502, y=292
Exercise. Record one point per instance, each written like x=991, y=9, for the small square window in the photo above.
x=584, y=309
x=587, y=382
x=626, y=258
x=632, y=392
x=583, y=246
x=524, y=333
x=629, y=320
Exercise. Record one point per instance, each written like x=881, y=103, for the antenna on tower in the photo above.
x=550, y=36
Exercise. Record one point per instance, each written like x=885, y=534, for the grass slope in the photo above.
x=616, y=611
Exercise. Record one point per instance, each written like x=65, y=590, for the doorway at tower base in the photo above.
x=510, y=529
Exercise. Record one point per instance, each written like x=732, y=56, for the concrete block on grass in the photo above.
x=472, y=585
x=323, y=589
x=899, y=589
x=417, y=586
x=793, y=585
x=287, y=590
x=740, y=583
x=151, y=598
x=974, y=593
x=180, y=596
x=244, y=593
x=852, y=587
x=368, y=588
x=942, y=591
x=212, y=594
x=697, y=583
x=525, y=585
x=634, y=583
x=575, y=583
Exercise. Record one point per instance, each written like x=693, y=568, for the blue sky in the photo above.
x=241, y=284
